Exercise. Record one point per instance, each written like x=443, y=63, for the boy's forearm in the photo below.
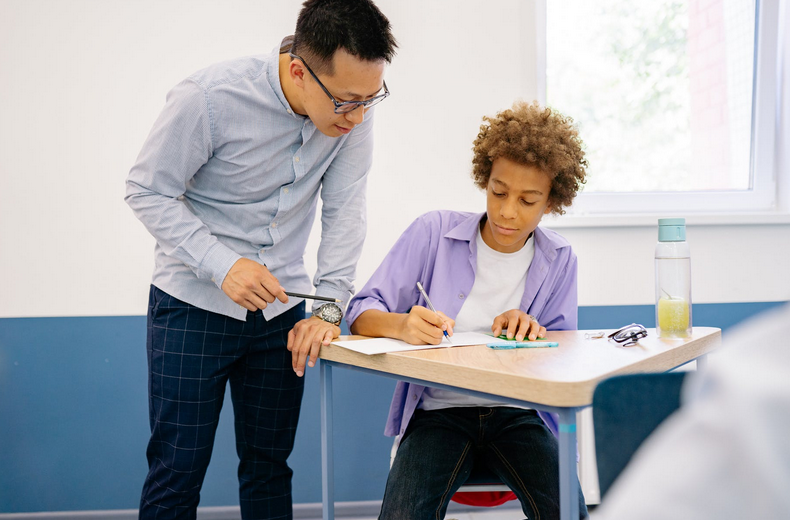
x=379, y=324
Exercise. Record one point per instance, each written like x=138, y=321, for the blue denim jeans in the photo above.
x=440, y=448
x=192, y=356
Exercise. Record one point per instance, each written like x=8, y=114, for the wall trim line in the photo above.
x=308, y=511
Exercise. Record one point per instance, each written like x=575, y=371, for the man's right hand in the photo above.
x=252, y=286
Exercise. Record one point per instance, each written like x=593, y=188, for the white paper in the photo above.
x=384, y=345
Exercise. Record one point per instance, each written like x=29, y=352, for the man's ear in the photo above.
x=297, y=71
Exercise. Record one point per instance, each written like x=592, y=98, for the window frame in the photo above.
x=762, y=197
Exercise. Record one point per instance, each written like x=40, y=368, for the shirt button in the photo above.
x=461, y=296
x=296, y=159
x=213, y=280
x=414, y=396
x=289, y=111
x=262, y=251
x=274, y=224
x=285, y=190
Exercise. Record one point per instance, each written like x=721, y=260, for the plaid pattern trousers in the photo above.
x=192, y=356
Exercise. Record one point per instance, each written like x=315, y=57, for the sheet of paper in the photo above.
x=384, y=345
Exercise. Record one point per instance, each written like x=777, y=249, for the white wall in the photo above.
x=81, y=83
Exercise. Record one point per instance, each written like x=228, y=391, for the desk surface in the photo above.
x=564, y=376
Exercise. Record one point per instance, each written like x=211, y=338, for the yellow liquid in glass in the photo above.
x=673, y=315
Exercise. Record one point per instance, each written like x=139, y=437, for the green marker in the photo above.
x=510, y=344
x=504, y=336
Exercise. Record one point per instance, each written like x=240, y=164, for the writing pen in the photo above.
x=428, y=301
x=311, y=297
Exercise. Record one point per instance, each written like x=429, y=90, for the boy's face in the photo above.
x=353, y=80
x=517, y=198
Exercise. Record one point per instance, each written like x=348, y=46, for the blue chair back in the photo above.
x=626, y=409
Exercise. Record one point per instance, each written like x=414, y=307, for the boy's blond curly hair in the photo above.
x=537, y=136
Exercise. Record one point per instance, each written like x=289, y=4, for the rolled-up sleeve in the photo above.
x=178, y=145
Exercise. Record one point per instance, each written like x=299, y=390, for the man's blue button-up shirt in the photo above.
x=230, y=171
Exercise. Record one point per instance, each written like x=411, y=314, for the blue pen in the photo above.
x=428, y=301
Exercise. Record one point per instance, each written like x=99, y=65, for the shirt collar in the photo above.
x=546, y=241
x=467, y=229
x=273, y=75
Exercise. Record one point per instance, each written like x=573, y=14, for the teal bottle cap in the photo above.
x=671, y=229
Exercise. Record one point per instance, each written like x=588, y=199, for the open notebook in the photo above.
x=384, y=345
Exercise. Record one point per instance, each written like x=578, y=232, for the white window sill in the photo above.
x=651, y=220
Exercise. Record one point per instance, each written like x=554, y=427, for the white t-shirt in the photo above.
x=499, y=287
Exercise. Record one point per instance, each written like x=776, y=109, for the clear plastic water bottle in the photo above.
x=673, y=279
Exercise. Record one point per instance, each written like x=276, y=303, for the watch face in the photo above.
x=331, y=313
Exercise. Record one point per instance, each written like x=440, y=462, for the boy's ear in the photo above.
x=549, y=208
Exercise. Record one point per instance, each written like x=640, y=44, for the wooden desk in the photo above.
x=560, y=380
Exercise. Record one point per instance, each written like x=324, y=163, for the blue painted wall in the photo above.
x=74, y=421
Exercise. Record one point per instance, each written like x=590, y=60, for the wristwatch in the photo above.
x=330, y=312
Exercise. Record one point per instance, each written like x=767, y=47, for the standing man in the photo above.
x=227, y=182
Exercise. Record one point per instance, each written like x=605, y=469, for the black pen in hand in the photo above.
x=311, y=297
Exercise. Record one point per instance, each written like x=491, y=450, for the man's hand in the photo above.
x=422, y=325
x=306, y=339
x=252, y=286
x=518, y=324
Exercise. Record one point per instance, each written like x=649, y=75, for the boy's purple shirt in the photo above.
x=440, y=251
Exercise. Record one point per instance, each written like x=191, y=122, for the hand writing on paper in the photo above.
x=422, y=325
x=252, y=286
x=306, y=339
x=518, y=324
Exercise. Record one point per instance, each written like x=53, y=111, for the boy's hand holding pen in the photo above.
x=426, y=325
x=422, y=326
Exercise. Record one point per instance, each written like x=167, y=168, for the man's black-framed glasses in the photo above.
x=629, y=335
x=344, y=107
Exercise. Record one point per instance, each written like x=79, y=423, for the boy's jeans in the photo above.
x=440, y=447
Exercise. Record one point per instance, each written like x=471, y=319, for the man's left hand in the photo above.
x=306, y=339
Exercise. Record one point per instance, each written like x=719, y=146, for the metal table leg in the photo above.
x=702, y=363
x=327, y=457
x=569, y=492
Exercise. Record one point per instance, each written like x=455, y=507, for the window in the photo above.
x=667, y=101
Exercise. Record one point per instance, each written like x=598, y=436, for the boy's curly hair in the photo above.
x=536, y=136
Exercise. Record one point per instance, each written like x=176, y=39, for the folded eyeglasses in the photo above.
x=629, y=335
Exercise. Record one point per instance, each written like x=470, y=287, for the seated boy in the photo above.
x=487, y=272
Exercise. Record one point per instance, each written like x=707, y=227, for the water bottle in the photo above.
x=673, y=280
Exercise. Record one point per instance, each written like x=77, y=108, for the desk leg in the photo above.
x=702, y=363
x=569, y=492
x=327, y=462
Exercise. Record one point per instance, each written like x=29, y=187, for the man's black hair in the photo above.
x=357, y=26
